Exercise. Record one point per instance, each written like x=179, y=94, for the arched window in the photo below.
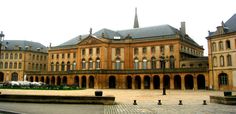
x=2, y=56
x=11, y=56
x=83, y=64
x=229, y=60
x=144, y=66
x=213, y=46
x=37, y=66
x=6, y=56
x=6, y=65
x=222, y=61
x=68, y=66
x=153, y=50
x=136, y=63
x=118, y=63
x=227, y=43
x=20, y=56
x=153, y=63
x=223, y=79
x=74, y=65
x=172, y=62
x=135, y=51
x=16, y=56
x=62, y=66
x=15, y=65
x=214, y=61
x=57, y=66
x=14, y=76
x=1, y=65
x=97, y=63
x=52, y=66
x=221, y=46
x=90, y=63
x=10, y=65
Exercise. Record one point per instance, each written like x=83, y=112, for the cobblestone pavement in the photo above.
x=147, y=101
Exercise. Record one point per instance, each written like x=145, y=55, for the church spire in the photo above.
x=136, y=25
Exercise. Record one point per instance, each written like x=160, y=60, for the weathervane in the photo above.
x=90, y=31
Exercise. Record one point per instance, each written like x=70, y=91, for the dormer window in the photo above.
x=26, y=47
x=38, y=49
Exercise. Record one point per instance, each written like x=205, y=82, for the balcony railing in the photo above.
x=126, y=71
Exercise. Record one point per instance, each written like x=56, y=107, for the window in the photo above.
x=90, y=63
x=16, y=56
x=153, y=50
x=1, y=65
x=14, y=76
x=74, y=55
x=45, y=67
x=57, y=56
x=97, y=63
x=200, y=65
x=223, y=79
x=118, y=64
x=2, y=56
x=6, y=65
x=214, y=61
x=74, y=65
x=15, y=65
x=52, y=56
x=162, y=49
x=172, y=62
x=83, y=51
x=68, y=55
x=52, y=66
x=20, y=66
x=68, y=66
x=37, y=57
x=144, y=50
x=20, y=56
x=37, y=66
x=136, y=63
x=62, y=55
x=153, y=63
x=228, y=46
x=171, y=48
x=33, y=67
x=83, y=64
x=144, y=66
x=41, y=58
x=221, y=46
x=90, y=51
x=11, y=56
x=221, y=61
x=6, y=56
x=10, y=65
x=183, y=65
x=135, y=51
x=97, y=51
x=117, y=51
x=57, y=66
x=229, y=60
x=40, y=66
x=191, y=65
x=29, y=66
x=33, y=57
x=62, y=66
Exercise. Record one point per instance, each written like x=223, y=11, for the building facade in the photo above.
x=19, y=56
x=222, y=56
x=138, y=58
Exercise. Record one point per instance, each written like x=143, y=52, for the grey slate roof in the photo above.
x=135, y=33
x=13, y=44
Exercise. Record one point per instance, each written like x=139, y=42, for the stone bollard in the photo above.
x=180, y=102
x=164, y=91
x=159, y=102
x=135, y=103
x=204, y=102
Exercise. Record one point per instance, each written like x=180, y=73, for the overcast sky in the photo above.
x=57, y=21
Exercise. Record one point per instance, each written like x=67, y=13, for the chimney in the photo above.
x=182, y=28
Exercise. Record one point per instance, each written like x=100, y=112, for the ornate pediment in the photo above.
x=90, y=40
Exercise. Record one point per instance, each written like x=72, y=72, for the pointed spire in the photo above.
x=136, y=24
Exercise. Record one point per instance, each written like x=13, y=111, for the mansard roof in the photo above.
x=23, y=45
x=135, y=33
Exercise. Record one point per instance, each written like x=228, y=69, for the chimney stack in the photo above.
x=182, y=28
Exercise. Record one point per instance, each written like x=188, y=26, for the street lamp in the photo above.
x=1, y=40
x=163, y=61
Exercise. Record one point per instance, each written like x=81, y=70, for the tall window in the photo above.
x=16, y=56
x=62, y=66
x=10, y=65
x=213, y=46
x=221, y=46
x=135, y=51
x=223, y=79
x=228, y=46
x=20, y=65
x=74, y=65
x=62, y=55
x=2, y=56
x=15, y=65
x=221, y=60
x=214, y=61
x=118, y=63
x=20, y=56
x=6, y=65
x=14, y=76
x=136, y=63
x=229, y=60
x=33, y=67
x=83, y=51
x=6, y=56
x=144, y=66
x=90, y=63
x=97, y=63
x=74, y=55
x=153, y=50
x=144, y=50
x=162, y=49
x=117, y=51
x=68, y=55
x=11, y=56
x=97, y=51
x=57, y=56
x=52, y=66
x=171, y=48
x=1, y=65
x=68, y=66
x=83, y=64
x=153, y=63
x=90, y=51
x=57, y=66
x=52, y=56
x=172, y=62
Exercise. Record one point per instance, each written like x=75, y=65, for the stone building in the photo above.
x=20, y=56
x=222, y=56
x=138, y=58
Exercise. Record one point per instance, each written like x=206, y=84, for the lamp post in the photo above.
x=1, y=40
x=163, y=65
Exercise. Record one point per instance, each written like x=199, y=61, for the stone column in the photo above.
x=87, y=81
x=142, y=82
x=161, y=81
x=172, y=82
x=195, y=86
x=182, y=83
x=151, y=82
x=80, y=81
x=133, y=82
